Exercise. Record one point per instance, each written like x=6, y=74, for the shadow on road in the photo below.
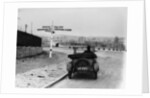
x=83, y=76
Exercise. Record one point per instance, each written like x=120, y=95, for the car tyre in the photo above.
x=95, y=75
x=70, y=75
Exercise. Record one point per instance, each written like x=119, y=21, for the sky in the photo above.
x=102, y=22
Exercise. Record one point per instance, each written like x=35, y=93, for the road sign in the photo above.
x=58, y=27
x=41, y=29
x=52, y=30
x=46, y=27
x=63, y=29
x=46, y=30
x=67, y=29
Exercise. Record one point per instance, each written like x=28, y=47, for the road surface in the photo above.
x=110, y=75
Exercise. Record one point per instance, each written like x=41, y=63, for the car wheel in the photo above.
x=70, y=75
x=95, y=75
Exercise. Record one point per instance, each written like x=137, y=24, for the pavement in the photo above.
x=38, y=71
x=40, y=77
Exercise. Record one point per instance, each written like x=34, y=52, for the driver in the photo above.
x=89, y=52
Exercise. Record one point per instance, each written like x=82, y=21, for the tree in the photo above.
x=116, y=40
x=116, y=43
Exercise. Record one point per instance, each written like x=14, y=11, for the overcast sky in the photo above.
x=107, y=22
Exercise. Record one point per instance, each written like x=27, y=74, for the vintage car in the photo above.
x=82, y=63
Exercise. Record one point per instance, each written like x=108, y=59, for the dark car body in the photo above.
x=83, y=63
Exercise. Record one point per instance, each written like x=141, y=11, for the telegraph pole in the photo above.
x=26, y=28
x=31, y=28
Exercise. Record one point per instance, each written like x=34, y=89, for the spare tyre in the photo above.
x=82, y=63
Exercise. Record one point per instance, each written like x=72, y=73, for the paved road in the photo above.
x=109, y=76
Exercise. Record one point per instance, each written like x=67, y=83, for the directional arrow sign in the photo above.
x=58, y=27
x=67, y=29
x=63, y=29
x=46, y=30
x=46, y=27
x=49, y=29
x=42, y=29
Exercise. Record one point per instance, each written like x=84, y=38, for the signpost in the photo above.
x=52, y=30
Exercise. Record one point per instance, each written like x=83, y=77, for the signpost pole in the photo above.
x=51, y=46
x=51, y=40
x=52, y=30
